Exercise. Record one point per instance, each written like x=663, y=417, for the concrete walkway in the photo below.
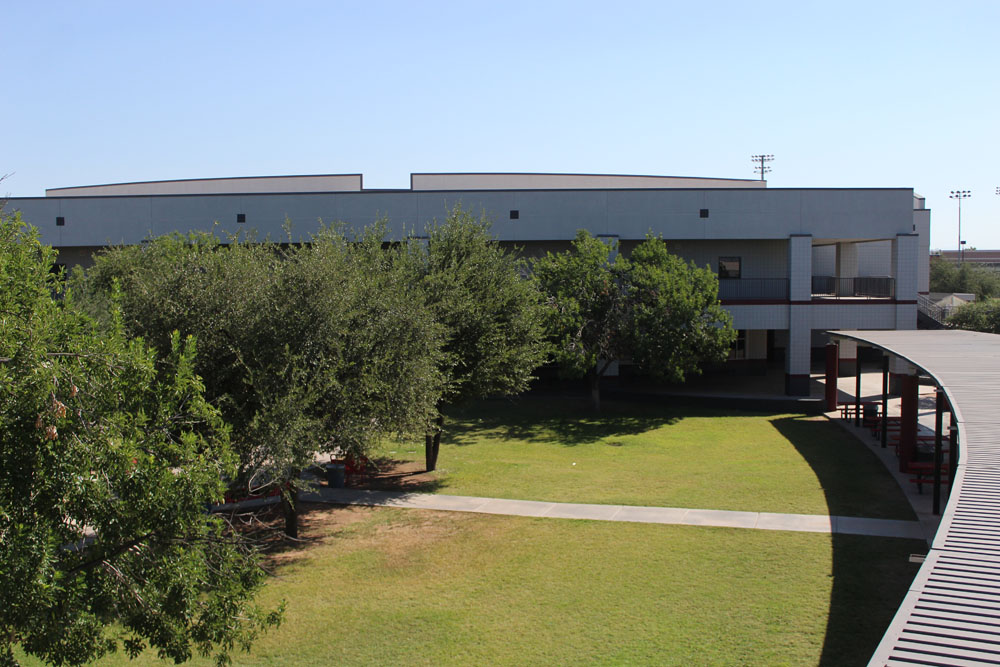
x=807, y=523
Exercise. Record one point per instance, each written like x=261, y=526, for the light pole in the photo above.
x=960, y=195
x=762, y=168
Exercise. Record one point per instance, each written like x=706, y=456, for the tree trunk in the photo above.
x=290, y=508
x=432, y=444
x=595, y=390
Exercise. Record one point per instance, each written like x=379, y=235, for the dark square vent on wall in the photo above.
x=60, y=221
x=241, y=217
x=703, y=213
x=515, y=214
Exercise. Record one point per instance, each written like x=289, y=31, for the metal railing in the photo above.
x=862, y=287
x=748, y=289
x=932, y=310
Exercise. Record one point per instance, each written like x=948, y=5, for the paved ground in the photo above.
x=871, y=389
x=810, y=523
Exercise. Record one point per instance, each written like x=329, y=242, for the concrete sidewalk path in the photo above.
x=808, y=523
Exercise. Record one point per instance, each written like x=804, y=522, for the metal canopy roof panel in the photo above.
x=951, y=615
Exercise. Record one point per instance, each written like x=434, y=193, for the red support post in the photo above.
x=908, y=422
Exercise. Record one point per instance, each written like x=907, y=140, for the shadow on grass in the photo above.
x=568, y=422
x=870, y=575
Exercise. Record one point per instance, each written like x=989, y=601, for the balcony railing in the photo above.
x=749, y=289
x=864, y=287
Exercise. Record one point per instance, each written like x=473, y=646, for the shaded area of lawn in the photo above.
x=641, y=454
x=385, y=587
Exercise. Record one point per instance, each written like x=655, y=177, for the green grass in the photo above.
x=389, y=587
x=423, y=588
x=556, y=450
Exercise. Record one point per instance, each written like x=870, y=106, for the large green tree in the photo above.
x=652, y=309
x=109, y=455
x=977, y=316
x=965, y=278
x=306, y=348
x=492, y=318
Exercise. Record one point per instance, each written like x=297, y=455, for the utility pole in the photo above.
x=762, y=168
x=960, y=195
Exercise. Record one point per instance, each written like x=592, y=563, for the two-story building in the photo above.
x=792, y=262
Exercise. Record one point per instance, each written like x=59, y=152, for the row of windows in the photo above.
x=729, y=267
x=61, y=220
x=515, y=214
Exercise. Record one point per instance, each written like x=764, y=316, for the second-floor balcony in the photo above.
x=865, y=288
x=861, y=287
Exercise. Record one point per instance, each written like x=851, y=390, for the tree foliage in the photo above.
x=305, y=348
x=492, y=318
x=652, y=309
x=964, y=278
x=977, y=316
x=110, y=455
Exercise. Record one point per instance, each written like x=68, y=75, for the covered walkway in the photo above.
x=951, y=615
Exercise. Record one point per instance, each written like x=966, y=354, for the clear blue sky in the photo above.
x=846, y=94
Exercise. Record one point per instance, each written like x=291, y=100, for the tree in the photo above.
x=964, y=278
x=493, y=336
x=977, y=316
x=652, y=309
x=305, y=348
x=109, y=455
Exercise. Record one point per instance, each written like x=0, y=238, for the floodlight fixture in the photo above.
x=763, y=159
x=960, y=195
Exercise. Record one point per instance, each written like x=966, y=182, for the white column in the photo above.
x=797, y=361
x=906, y=271
x=847, y=260
x=800, y=267
x=799, y=315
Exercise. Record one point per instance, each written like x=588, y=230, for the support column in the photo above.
x=908, y=423
x=905, y=271
x=799, y=315
x=831, y=376
x=884, y=435
x=846, y=269
x=857, y=391
x=847, y=260
x=797, y=355
x=848, y=357
x=898, y=370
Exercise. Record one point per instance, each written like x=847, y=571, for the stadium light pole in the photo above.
x=960, y=195
x=762, y=168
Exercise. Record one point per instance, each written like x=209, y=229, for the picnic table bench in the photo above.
x=923, y=473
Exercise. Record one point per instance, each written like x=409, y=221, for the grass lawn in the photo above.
x=411, y=587
x=383, y=586
x=639, y=454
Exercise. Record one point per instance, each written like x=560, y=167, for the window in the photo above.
x=60, y=221
x=515, y=214
x=729, y=267
x=241, y=217
x=703, y=213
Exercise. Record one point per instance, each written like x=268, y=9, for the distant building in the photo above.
x=990, y=258
x=792, y=262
